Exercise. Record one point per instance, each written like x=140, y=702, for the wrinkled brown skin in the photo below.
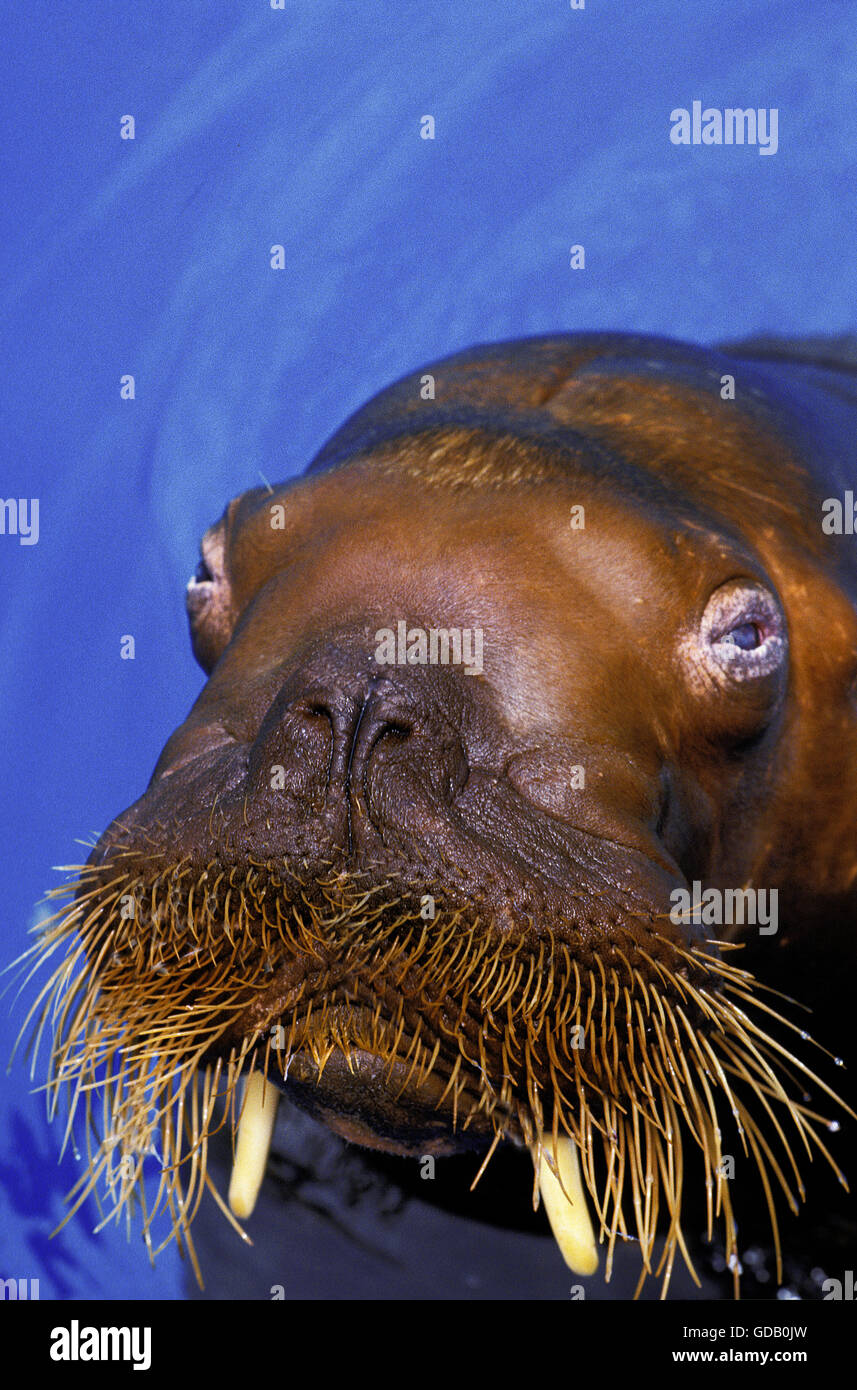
x=456, y=513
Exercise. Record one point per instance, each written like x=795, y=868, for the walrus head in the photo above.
x=504, y=675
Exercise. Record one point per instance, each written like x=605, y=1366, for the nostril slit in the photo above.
x=317, y=707
x=394, y=727
x=387, y=727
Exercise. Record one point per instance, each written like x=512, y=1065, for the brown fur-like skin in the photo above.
x=460, y=512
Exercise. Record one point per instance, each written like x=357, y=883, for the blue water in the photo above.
x=300, y=127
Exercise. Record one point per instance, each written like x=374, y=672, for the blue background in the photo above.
x=301, y=127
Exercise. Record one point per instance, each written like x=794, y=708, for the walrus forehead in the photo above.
x=455, y=481
x=615, y=549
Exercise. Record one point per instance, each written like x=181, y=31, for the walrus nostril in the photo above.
x=372, y=730
x=372, y=727
x=357, y=727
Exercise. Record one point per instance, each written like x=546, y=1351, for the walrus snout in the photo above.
x=410, y=775
x=357, y=747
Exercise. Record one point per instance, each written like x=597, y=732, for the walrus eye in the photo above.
x=209, y=601
x=208, y=575
x=743, y=631
x=746, y=636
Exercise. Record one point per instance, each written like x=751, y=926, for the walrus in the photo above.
x=522, y=786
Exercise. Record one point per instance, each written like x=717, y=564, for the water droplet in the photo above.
x=783, y=1294
x=833, y=1126
x=840, y=1061
x=804, y=1035
x=735, y=1264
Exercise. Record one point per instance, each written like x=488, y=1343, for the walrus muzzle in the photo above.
x=433, y=899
